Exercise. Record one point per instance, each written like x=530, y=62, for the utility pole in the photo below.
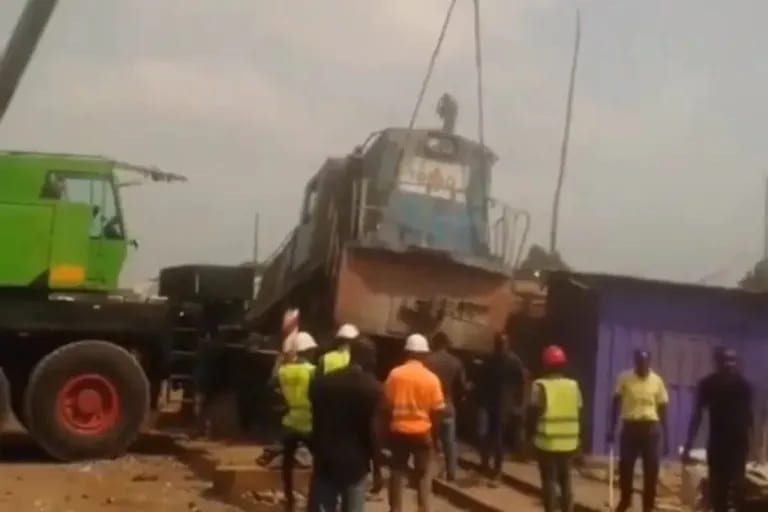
x=21, y=46
x=256, y=239
x=765, y=222
x=566, y=137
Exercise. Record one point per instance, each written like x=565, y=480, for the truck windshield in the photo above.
x=96, y=191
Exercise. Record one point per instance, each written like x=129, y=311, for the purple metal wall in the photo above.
x=679, y=326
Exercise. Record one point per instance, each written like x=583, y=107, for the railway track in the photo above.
x=514, y=488
x=233, y=473
x=471, y=493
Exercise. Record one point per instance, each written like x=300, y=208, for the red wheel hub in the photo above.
x=88, y=404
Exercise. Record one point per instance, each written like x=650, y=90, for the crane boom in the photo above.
x=21, y=46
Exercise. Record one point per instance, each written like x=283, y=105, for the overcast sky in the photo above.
x=247, y=98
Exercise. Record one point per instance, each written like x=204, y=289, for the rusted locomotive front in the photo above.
x=401, y=236
x=433, y=252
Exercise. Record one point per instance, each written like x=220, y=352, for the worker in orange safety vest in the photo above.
x=414, y=400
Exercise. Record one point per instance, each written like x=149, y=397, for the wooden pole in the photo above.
x=566, y=137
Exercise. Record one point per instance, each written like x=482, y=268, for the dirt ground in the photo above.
x=136, y=483
x=147, y=480
x=144, y=481
x=152, y=479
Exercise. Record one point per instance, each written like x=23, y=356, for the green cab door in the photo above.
x=106, y=237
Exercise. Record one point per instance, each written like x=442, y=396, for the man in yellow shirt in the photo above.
x=641, y=398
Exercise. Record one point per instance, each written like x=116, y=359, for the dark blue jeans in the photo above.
x=555, y=470
x=498, y=425
x=291, y=442
x=448, y=445
x=324, y=495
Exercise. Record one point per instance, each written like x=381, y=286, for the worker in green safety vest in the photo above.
x=338, y=357
x=554, y=426
x=295, y=378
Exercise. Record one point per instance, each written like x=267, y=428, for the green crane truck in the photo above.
x=83, y=363
x=79, y=364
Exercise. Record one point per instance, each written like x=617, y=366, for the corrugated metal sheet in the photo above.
x=601, y=320
x=681, y=359
x=680, y=330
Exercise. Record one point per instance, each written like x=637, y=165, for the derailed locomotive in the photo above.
x=400, y=236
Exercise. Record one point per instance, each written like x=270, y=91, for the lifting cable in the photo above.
x=566, y=138
x=431, y=65
x=478, y=68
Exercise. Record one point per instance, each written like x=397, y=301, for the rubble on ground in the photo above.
x=757, y=480
x=272, y=458
x=273, y=497
x=155, y=483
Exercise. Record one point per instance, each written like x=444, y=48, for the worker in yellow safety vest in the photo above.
x=295, y=377
x=338, y=357
x=554, y=425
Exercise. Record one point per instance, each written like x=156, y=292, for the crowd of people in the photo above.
x=345, y=416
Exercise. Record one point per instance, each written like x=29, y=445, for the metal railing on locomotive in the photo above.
x=503, y=232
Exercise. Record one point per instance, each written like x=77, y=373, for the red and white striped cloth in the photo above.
x=290, y=329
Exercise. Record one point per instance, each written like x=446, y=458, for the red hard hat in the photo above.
x=554, y=356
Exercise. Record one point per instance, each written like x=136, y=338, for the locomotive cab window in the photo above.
x=434, y=177
x=95, y=191
x=441, y=147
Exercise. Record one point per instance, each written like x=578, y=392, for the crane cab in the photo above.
x=61, y=221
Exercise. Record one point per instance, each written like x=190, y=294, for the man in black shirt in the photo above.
x=727, y=396
x=345, y=405
x=501, y=396
x=450, y=370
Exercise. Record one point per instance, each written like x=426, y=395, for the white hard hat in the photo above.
x=304, y=341
x=416, y=343
x=348, y=332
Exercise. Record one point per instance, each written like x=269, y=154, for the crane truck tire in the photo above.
x=5, y=400
x=86, y=400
